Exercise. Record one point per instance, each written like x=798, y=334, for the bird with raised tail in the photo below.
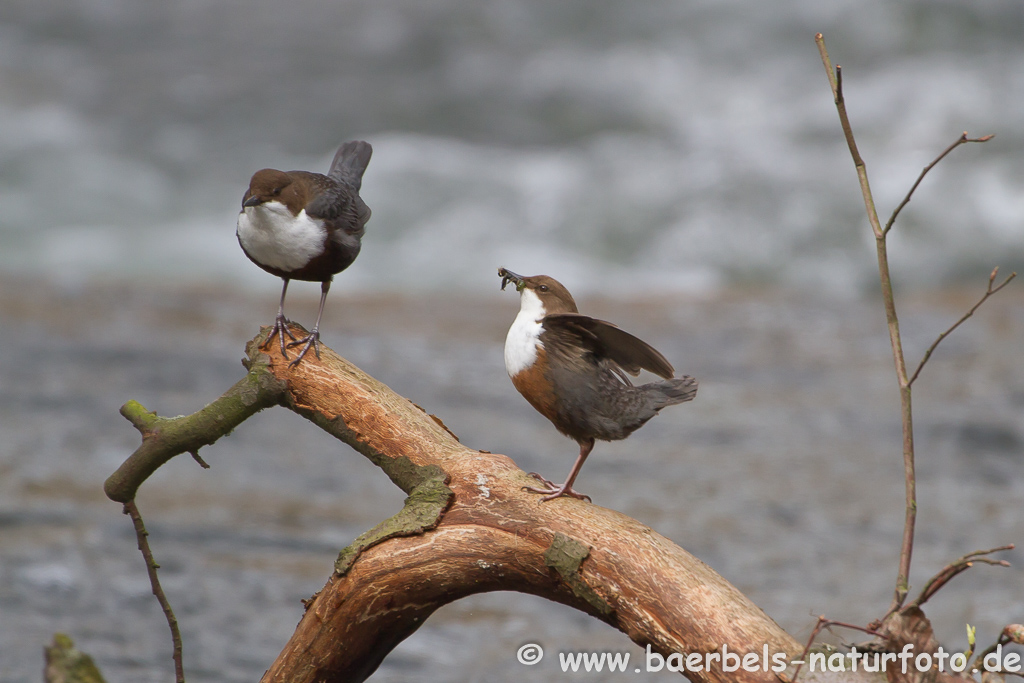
x=300, y=225
x=572, y=368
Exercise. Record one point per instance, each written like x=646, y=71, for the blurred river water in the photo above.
x=665, y=146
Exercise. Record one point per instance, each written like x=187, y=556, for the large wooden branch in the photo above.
x=467, y=527
x=491, y=536
x=165, y=437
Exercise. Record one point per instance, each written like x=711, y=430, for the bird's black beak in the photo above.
x=254, y=200
x=508, y=276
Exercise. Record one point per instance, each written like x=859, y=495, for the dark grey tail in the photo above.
x=350, y=163
x=671, y=391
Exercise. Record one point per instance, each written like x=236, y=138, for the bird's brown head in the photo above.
x=269, y=185
x=552, y=294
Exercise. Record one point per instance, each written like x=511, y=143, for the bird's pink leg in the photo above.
x=551, y=491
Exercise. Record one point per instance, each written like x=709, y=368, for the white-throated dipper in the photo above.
x=299, y=225
x=572, y=369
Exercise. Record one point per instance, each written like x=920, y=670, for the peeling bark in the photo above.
x=490, y=536
x=467, y=527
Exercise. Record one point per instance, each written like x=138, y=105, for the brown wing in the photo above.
x=606, y=340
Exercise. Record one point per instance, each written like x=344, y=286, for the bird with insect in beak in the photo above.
x=300, y=225
x=573, y=369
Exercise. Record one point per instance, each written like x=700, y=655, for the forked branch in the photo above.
x=889, y=301
x=904, y=379
x=954, y=568
x=467, y=527
x=822, y=624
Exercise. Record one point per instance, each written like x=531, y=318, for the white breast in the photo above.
x=524, y=335
x=274, y=237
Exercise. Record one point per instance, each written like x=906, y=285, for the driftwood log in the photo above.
x=466, y=527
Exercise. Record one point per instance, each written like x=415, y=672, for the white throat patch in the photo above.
x=274, y=237
x=524, y=336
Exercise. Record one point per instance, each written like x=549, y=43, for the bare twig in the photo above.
x=905, y=380
x=141, y=534
x=906, y=414
x=963, y=139
x=199, y=459
x=954, y=568
x=988, y=292
x=1013, y=633
x=822, y=624
x=835, y=79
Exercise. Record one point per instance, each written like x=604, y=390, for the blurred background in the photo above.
x=678, y=166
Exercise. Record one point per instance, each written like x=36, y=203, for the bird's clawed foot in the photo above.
x=312, y=339
x=550, y=491
x=279, y=330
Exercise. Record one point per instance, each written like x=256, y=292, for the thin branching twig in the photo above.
x=988, y=292
x=824, y=623
x=963, y=139
x=835, y=77
x=907, y=546
x=954, y=568
x=141, y=534
x=1013, y=633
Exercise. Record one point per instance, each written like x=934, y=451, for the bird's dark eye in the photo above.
x=543, y=288
x=276, y=191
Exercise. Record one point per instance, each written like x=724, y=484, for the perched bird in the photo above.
x=299, y=225
x=572, y=369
